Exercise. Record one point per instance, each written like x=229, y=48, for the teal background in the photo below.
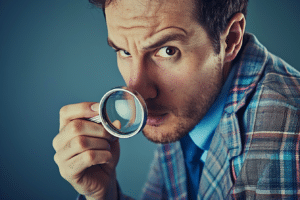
x=54, y=53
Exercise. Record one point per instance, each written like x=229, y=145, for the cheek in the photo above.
x=190, y=79
x=174, y=85
x=124, y=70
x=172, y=80
x=175, y=76
x=183, y=78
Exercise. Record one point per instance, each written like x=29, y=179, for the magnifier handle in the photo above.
x=95, y=119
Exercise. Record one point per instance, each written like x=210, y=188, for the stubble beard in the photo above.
x=189, y=118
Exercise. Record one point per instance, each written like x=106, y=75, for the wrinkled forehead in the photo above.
x=127, y=12
x=131, y=9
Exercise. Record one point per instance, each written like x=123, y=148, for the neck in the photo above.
x=226, y=70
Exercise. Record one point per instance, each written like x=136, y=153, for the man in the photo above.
x=206, y=84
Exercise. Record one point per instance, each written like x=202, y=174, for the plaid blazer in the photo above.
x=254, y=153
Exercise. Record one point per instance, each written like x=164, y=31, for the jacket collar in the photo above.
x=216, y=180
x=250, y=64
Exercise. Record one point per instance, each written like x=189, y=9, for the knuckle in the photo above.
x=55, y=143
x=81, y=142
x=56, y=159
x=63, y=173
x=90, y=157
x=63, y=110
x=76, y=126
x=96, y=157
x=67, y=172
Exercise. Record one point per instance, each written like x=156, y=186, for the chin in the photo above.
x=165, y=134
x=171, y=128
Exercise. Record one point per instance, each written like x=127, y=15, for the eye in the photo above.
x=124, y=53
x=166, y=52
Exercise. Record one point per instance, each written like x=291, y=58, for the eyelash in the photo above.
x=127, y=54
x=174, y=49
x=124, y=51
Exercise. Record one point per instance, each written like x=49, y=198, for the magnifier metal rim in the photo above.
x=116, y=132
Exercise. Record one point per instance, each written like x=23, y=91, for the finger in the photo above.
x=117, y=124
x=76, y=111
x=79, y=127
x=78, y=145
x=80, y=162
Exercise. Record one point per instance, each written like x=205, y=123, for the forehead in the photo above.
x=128, y=14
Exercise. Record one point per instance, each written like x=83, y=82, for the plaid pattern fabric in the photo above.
x=254, y=152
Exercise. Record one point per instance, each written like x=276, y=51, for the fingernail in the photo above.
x=95, y=107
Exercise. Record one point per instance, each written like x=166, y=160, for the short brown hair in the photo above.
x=213, y=15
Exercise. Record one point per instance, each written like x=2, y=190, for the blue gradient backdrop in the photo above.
x=54, y=53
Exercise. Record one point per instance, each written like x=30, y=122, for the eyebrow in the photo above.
x=161, y=41
x=110, y=43
x=165, y=39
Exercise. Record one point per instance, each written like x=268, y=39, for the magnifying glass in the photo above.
x=125, y=105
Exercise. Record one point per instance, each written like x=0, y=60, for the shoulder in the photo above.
x=270, y=124
x=267, y=90
x=277, y=98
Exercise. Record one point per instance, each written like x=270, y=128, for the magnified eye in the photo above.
x=124, y=53
x=166, y=52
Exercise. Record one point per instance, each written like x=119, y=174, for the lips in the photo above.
x=156, y=119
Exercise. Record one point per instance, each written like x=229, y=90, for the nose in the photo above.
x=142, y=79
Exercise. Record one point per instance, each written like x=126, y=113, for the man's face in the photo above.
x=166, y=56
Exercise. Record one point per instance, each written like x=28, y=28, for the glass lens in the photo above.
x=125, y=108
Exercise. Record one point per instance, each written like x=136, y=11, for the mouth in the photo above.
x=156, y=119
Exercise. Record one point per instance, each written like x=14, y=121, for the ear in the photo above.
x=233, y=36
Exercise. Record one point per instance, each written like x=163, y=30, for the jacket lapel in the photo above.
x=216, y=180
x=173, y=168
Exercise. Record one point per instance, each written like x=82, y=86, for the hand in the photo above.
x=86, y=154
